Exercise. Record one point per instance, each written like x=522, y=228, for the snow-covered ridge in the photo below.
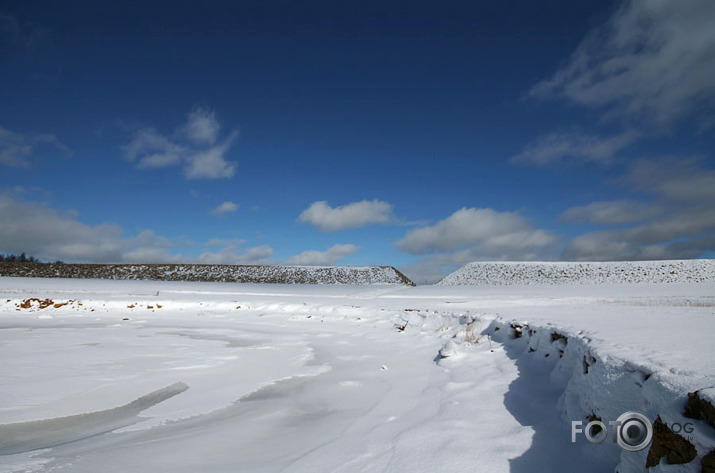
x=508, y=273
x=213, y=273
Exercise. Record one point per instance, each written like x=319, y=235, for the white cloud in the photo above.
x=674, y=179
x=258, y=255
x=202, y=127
x=16, y=149
x=50, y=235
x=224, y=242
x=211, y=163
x=353, y=215
x=478, y=234
x=564, y=146
x=678, y=223
x=225, y=207
x=233, y=255
x=427, y=271
x=329, y=257
x=152, y=150
x=652, y=60
x=194, y=146
x=611, y=212
x=471, y=234
x=151, y=255
x=615, y=245
x=43, y=232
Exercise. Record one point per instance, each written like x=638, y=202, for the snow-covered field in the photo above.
x=149, y=376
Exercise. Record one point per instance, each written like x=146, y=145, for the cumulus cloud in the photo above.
x=478, y=234
x=233, y=255
x=225, y=207
x=471, y=234
x=652, y=60
x=678, y=223
x=46, y=233
x=195, y=146
x=16, y=149
x=563, y=146
x=211, y=163
x=50, y=235
x=329, y=257
x=353, y=215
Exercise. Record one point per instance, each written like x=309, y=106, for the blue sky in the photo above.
x=422, y=136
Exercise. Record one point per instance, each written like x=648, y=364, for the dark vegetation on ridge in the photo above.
x=211, y=273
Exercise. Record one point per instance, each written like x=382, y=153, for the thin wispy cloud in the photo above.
x=674, y=179
x=25, y=44
x=652, y=60
x=574, y=147
x=202, y=127
x=612, y=212
x=17, y=149
x=353, y=215
x=195, y=146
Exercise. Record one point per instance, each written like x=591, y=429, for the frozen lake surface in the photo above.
x=141, y=376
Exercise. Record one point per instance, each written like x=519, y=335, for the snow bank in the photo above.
x=508, y=273
x=212, y=273
x=593, y=383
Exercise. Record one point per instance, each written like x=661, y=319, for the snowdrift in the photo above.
x=212, y=273
x=509, y=273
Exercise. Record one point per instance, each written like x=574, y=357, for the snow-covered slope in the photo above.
x=508, y=273
x=212, y=273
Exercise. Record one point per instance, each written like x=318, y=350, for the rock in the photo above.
x=708, y=462
x=670, y=445
x=700, y=409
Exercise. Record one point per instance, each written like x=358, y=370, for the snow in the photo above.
x=153, y=376
x=506, y=273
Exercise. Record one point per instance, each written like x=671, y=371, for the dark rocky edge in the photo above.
x=212, y=273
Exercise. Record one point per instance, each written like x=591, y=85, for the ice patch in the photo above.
x=27, y=436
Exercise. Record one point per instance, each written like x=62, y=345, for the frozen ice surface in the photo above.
x=222, y=377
